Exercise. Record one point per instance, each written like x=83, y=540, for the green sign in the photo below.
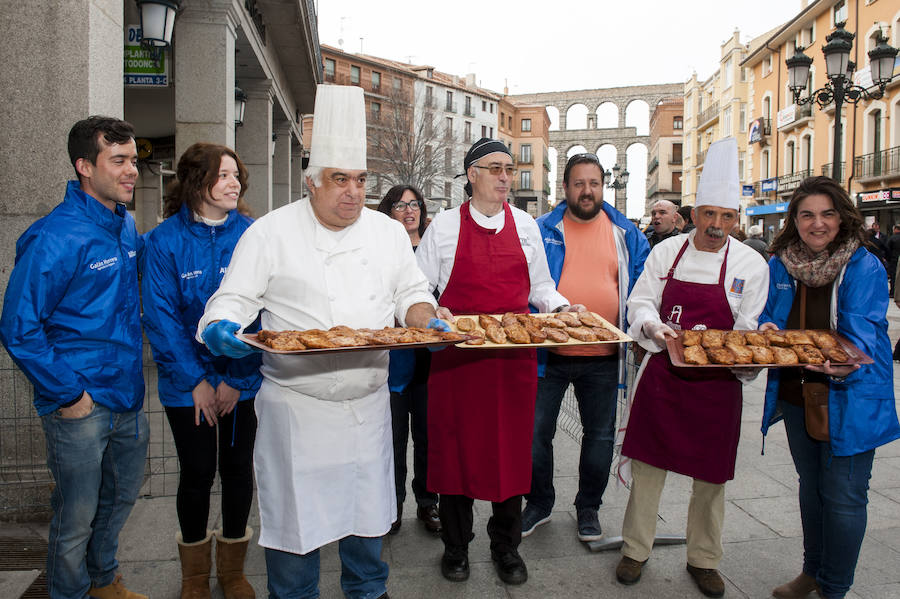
x=140, y=68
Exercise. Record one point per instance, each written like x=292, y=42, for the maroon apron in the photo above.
x=688, y=420
x=481, y=401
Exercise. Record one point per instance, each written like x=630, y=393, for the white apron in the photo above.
x=324, y=469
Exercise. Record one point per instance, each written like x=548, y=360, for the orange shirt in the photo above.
x=590, y=276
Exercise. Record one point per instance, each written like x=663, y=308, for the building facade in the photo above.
x=664, y=162
x=525, y=129
x=75, y=59
x=789, y=142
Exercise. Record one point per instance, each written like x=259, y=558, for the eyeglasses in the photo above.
x=585, y=156
x=402, y=206
x=495, y=169
x=342, y=179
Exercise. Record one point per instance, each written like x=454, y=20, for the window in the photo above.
x=742, y=118
x=468, y=132
x=449, y=128
x=354, y=75
x=726, y=121
x=806, y=159
x=677, y=123
x=525, y=180
x=810, y=34
x=509, y=121
x=676, y=153
x=525, y=154
x=764, y=164
x=429, y=94
x=469, y=106
x=743, y=74
x=526, y=125
x=398, y=84
x=742, y=159
x=449, y=105
x=448, y=159
x=729, y=72
x=767, y=65
x=789, y=158
x=448, y=189
x=839, y=12
x=428, y=189
x=376, y=111
x=484, y=131
x=491, y=105
x=767, y=108
x=376, y=81
x=484, y=106
x=329, y=69
x=492, y=133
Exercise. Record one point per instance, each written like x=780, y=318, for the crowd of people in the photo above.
x=317, y=428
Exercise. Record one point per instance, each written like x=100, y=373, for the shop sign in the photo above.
x=786, y=116
x=140, y=69
x=880, y=195
x=769, y=185
x=778, y=208
x=747, y=190
x=757, y=131
x=895, y=194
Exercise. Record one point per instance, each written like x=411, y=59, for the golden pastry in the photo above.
x=720, y=355
x=508, y=319
x=735, y=338
x=742, y=353
x=762, y=354
x=823, y=340
x=756, y=338
x=712, y=338
x=589, y=320
x=836, y=355
x=808, y=354
x=798, y=338
x=516, y=333
x=553, y=322
x=556, y=335
x=485, y=320
x=776, y=338
x=465, y=324
x=694, y=354
x=784, y=356
x=495, y=333
x=581, y=333
x=691, y=338
x=569, y=318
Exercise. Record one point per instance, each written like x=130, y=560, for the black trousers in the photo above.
x=409, y=414
x=197, y=448
x=504, y=526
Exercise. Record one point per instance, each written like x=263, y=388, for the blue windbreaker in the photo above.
x=861, y=410
x=71, y=313
x=631, y=249
x=182, y=265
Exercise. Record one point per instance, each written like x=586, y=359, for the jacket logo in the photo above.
x=193, y=274
x=737, y=286
x=132, y=253
x=783, y=286
x=223, y=270
x=552, y=241
x=101, y=264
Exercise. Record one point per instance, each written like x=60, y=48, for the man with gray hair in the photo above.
x=757, y=242
x=662, y=222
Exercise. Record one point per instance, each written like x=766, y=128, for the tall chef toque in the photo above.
x=339, y=128
x=719, y=184
x=480, y=149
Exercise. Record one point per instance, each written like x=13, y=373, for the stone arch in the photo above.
x=637, y=115
x=636, y=193
x=607, y=116
x=575, y=149
x=576, y=117
x=553, y=176
x=553, y=114
x=608, y=155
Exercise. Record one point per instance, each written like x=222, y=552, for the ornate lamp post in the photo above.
x=617, y=180
x=157, y=22
x=240, y=103
x=840, y=87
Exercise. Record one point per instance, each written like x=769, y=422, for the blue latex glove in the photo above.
x=438, y=325
x=219, y=338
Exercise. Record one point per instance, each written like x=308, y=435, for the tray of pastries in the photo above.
x=762, y=349
x=342, y=338
x=493, y=331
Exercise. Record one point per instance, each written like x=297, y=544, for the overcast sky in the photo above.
x=539, y=46
x=532, y=46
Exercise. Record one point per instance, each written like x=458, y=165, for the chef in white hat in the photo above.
x=323, y=458
x=688, y=420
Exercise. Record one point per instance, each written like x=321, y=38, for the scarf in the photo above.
x=816, y=269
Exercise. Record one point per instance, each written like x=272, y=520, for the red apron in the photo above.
x=481, y=402
x=688, y=420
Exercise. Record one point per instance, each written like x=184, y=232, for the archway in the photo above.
x=636, y=191
x=637, y=115
x=607, y=116
x=576, y=117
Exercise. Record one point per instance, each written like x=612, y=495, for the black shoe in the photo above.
x=455, y=566
x=510, y=567
x=428, y=514
x=395, y=527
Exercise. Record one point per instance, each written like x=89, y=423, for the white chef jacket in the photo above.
x=437, y=253
x=324, y=452
x=746, y=283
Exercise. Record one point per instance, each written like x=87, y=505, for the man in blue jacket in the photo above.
x=71, y=322
x=595, y=256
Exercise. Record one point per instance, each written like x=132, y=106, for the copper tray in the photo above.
x=676, y=354
x=251, y=339
x=622, y=337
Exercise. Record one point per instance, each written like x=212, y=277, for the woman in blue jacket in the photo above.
x=822, y=277
x=208, y=399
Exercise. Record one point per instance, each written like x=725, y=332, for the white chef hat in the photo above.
x=719, y=184
x=339, y=128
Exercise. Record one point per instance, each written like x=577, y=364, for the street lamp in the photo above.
x=157, y=22
x=617, y=179
x=840, y=87
x=240, y=103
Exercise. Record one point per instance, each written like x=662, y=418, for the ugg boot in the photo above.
x=230, y=554
x=114, y=590
x=196, y=561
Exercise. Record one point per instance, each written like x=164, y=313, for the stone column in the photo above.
x=281, y=166
x=204, y=74
x=253, y=143
x=297, y=182
x=562, y=117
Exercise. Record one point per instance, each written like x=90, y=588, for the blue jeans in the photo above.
x=98, y=464
x=595, y=380
x=295, y=576
x=833, y=499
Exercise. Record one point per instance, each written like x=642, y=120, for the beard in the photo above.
x=714, y=232
x=576, y=209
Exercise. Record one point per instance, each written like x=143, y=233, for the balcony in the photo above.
x=826, y=171
x=654, y=162
x=708, y=115
x=878, y=165
x=450, y=107
x=546, y=188
x=788, y=183
x=701, y=158
x=546, y=164
x=376, y=88
x=651, y=191
x=675, y=159
x=525, y=160
x=802, y=115
x=467, y=111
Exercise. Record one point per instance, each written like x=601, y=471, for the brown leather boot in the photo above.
x=196, y=561
x=114, y=590
x=801, y=586
x=230, y=554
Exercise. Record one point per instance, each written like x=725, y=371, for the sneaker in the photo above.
x=708, y=581
x=532, y=517
x=589, y=525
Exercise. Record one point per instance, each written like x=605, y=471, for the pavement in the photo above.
x=762, y=536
